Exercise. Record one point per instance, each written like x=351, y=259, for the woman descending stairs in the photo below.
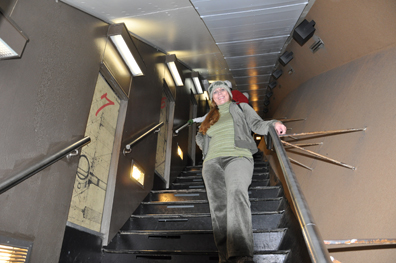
x=175, y=226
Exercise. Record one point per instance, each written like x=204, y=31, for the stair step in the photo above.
x=200, y=185
x=260, y=220
x=145, y=256
x=256, y=168
x=257, y=163
x=189, y=178
x=198, y=177
x=190, y=240
x=200, y=194
x=202, y=206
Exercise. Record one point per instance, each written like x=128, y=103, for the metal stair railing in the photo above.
x=181, y=128
x=21, y=176
x=315, y=244
x=128, y=147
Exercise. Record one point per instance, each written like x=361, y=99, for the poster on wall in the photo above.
x=162, y=138
x=164, y=141
x=86, y=208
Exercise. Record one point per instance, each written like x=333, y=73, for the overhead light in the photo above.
x=258, y=138
x=137, y=173
x=171, y=60
x=121, y=39
x=197, y=82
x=12, y=39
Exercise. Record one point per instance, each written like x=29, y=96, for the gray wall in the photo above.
x=143, y=113
x=349, y=204
x=348, y=84
x=45, y=102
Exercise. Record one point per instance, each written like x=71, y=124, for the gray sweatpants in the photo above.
x=227, y=180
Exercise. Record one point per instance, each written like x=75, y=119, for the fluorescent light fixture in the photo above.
x=126, y=55
x=197, y=82
x=137, y=173
x=180, y=152
x=121, y=39
x=170, y=60
x=6, y=51
x=12, y=39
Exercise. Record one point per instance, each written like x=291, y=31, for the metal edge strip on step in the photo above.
x=192, y=232
x=162, y=216
x=206, y=201
x=186, y=252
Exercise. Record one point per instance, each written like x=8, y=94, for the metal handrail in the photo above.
x=313, y=240
x=44, y=163
x=182, y=127
x=156, y=128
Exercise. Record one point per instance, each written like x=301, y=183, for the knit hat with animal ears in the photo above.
x=220, y=84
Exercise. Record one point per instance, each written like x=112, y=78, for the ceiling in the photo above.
x=221, y=39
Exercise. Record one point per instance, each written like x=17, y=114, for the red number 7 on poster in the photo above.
x=104, y=96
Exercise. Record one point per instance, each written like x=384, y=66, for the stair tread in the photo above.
x=253, y=180
x=204, y=191
x=200, y=178
x=193, y=231
x=205, y=201
x=185, y=252
x=198, y=214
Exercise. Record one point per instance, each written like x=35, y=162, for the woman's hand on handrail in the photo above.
x=280, y=128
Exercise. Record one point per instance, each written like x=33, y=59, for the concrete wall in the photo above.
x=45, y=101
x=345, y=203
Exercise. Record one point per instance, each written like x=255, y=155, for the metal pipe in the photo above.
x=288, y=120
x=313, y=240
x=303, y=165
x=129, y=145
x=44, y=163
x=319, y=155
x=370, y=241
x=308, y=144
x=321, y=132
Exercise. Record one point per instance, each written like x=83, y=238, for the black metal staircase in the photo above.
x=174, y=225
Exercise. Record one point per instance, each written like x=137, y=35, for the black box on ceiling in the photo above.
x=277, y=73
x=304, y=31
x=273, y=84
x=285, y=58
